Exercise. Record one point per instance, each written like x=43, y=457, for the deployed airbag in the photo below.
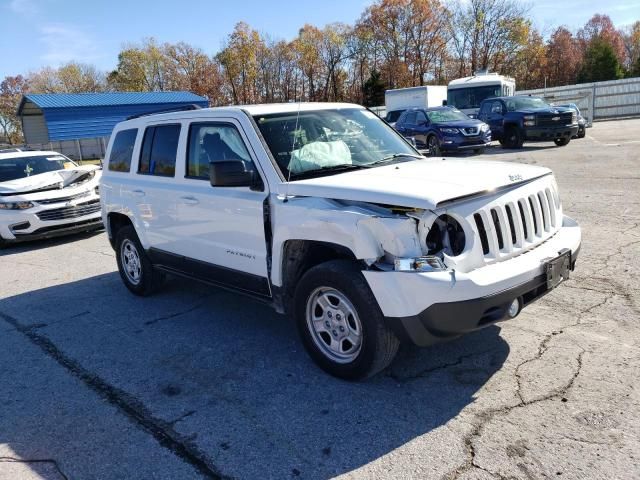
x=316, y=155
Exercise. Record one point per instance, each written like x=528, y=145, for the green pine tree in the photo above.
x=373, y=90
x=600, y=63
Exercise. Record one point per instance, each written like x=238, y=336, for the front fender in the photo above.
x=365, y=232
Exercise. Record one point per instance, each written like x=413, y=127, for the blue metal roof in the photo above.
x=66, y=100
x=71, y=116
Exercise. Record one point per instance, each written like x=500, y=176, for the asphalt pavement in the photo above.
x=196, y=382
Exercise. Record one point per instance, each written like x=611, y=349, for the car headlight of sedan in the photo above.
x=445, y=236
x=15, y=205
x=451, y=131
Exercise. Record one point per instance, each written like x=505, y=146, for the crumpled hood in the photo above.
x=419, y=184
x=45, y=181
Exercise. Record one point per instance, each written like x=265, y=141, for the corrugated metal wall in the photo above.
x=35, y=128
x=598, y=100
x=91, y=122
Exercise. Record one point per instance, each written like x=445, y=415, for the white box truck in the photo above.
x=466, y=93
x=398, y=100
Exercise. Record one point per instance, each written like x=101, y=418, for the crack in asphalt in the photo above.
x=125, y=403
x=35, y=460
x=428, y=371
x=174, y=315
x=488, y=415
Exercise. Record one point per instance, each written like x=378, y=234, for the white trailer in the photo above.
x=466, y=93
x=398, y=100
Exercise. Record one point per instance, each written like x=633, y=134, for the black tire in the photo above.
x=433, y=145
x=149, y=278
x=378, y=345
x=561, y=142
x=512, y=138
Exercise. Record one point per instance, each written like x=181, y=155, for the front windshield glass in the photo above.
x=21, y=167
x=470, y=97
x=523, y=103
x=446, y=115
x=313, y=143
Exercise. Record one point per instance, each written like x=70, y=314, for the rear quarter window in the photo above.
x=122, y=150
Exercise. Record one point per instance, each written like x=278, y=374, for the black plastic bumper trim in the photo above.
x=445, y=321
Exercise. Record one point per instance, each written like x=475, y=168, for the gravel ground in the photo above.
x=195, y=382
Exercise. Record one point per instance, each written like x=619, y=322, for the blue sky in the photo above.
x=36, y=33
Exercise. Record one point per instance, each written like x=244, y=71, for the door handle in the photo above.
x=190, y=200
x=138, y=193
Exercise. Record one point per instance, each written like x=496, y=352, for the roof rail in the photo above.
x=181, y=108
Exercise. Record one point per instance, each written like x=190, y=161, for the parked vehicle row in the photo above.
x=511, y=120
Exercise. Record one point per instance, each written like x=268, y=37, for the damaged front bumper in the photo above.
x=427, y=307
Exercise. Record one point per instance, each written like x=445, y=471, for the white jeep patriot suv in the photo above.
x=325, y=212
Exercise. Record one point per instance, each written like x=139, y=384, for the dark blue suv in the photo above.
x=441, y=129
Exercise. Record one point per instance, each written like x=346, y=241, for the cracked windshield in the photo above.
x=316, y=143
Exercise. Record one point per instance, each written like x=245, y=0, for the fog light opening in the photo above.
x=514, y=308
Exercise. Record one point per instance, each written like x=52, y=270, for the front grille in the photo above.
x=552, y=120
x=519, y=223
x=49, y=201
x=75, y=211
x=468, y=131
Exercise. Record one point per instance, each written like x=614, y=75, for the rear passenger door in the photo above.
x=156, y=184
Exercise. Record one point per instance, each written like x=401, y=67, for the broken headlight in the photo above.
x=446, y=236
x=419, y=264
x=15, y=205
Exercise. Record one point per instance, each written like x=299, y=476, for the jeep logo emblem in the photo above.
x=515, y=178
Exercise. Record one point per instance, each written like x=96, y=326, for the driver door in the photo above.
x=221, y=229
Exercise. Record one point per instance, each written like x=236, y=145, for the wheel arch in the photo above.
x=298, y=256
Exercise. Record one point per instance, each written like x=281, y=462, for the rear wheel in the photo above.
x=512, y=138
x=433, y=145
x=561, y=142
x=340, y=323
x=134, y=266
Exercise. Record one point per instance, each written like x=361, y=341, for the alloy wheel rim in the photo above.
x=131, y=263
x=334, y=324
x=433, y=145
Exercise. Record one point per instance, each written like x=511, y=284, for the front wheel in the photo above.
x=340, y=323
x=433, y=145
x=512, y=138
x=561, y=142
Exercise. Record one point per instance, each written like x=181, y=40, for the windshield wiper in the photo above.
x=328, y=169
x=393, y=156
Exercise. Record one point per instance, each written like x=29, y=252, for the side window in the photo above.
x=421, y=118
x=410, y=118
x=159, y=150
x=213, y=142
x=122, y=150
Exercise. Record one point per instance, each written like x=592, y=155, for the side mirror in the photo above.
x=444, y=103
x=233, y=173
